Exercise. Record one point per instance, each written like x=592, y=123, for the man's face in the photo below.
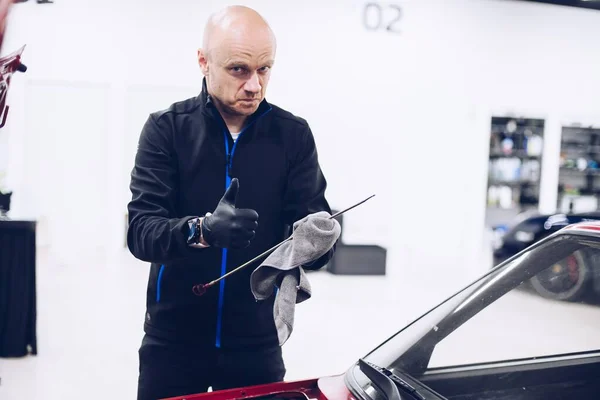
x=237, y=69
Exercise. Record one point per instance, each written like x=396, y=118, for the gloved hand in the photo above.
x=228, y=226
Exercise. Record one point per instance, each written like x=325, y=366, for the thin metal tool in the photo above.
x=200, y=289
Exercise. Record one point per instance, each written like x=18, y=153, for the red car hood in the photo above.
x=327, y=388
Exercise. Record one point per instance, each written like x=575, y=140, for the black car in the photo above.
x=572, y=278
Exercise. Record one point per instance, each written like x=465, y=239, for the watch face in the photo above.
x=193, y=235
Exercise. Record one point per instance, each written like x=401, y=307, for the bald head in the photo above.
x=235, y=22
x=236, y=58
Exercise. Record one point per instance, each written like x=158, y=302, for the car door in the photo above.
x=521, y=346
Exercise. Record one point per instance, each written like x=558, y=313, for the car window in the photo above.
x=555, y=312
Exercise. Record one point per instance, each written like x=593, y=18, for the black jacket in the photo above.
x=180, y=173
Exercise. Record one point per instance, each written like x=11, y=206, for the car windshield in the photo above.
x=514, y=312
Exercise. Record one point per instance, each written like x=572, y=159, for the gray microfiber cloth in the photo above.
x=312, y=237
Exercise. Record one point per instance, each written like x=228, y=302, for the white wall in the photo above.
x=404, y=115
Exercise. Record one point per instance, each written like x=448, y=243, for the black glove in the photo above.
x=230, y=227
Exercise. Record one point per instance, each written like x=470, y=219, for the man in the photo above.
x=217, y=179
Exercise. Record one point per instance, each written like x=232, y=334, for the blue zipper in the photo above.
x=158, y=281
x=224, y=251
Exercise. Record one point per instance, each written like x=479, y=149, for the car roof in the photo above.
x=587, y=228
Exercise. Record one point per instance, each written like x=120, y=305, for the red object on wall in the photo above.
x=8, y=66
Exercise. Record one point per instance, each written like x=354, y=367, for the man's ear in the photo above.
x=203, y=61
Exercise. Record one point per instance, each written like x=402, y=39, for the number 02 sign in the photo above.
x=377, y=16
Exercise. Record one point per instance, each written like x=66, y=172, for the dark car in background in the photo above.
x=573, y=278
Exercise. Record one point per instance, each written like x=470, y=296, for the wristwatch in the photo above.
x=195, y=232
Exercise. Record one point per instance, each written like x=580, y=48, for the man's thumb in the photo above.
x=231, y=193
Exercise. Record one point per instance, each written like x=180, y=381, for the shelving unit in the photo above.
x=514, y=170
x=579, y=173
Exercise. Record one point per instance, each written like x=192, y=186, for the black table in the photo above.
x=18, y=308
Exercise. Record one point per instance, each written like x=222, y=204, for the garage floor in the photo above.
x=89, y=327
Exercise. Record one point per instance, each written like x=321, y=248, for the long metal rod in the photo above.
x=279, y=244
x=351, y=207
